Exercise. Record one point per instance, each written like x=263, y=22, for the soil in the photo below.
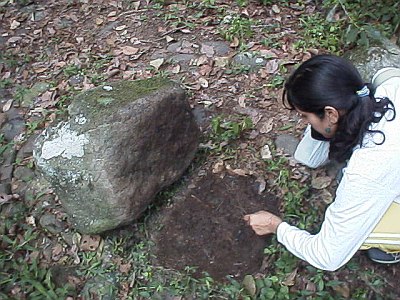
x=204, y=228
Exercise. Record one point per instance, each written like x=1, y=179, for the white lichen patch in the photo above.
x=80, y=119
x=67, y=144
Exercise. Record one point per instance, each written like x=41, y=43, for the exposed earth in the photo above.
x=204, y=227
x=52, y=50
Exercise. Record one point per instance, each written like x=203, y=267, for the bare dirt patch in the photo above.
x=204, y=227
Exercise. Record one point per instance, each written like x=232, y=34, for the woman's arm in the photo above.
x=370, y=184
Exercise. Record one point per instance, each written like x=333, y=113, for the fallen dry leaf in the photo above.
x=290, y=280
x=129, y=50
x=14, y=39
x=267, y=126
x=221, y=61
x=239, y=172
x=176, y=69
x=90, y=242
x=5, y=198
x=56, y=251
x=235, y=43
x=342, y=289
x=120, y=28
x=99, y=21
x=30, y=220
x=136, y=5
x=266, y=152
x=218, y=167
x=203, y=82
x=14, y=24
x=271, y=66
x=125, y=268
x=169, y=39
x=320, y=183
x=8, y=105
x=326, y=196
x=157, y=63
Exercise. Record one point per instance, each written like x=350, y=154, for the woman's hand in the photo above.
x=263, y=222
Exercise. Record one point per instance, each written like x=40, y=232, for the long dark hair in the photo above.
x=328, y=80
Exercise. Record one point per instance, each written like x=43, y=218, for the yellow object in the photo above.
x=386, y=235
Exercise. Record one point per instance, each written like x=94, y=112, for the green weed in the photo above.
x=319, y=33
x=242, y=3
x=224, y=130
x=17, y=273
x=4, y=83
x=276, y=81
x=72, y=70
x=236, y=27
x=360, y=19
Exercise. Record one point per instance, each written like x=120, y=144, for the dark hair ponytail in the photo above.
x=328, y=80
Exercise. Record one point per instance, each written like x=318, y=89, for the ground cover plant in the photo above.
x=52, y=50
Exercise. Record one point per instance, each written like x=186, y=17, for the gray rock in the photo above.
x=287, y=142
x=174, y=46
x=122, y=144
x=76, y=80
x=51, y=224
x=23, y=173
x=6, y=167
x=29, y=96
x=13, y=128
x=182, y=58
x=249, y=60
x=27, y=149
x=382, y=53
x=5, y=188
x=221, y=48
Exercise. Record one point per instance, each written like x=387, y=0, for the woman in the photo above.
x=354, y=123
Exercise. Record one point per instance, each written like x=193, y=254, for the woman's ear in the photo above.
x=332, y=114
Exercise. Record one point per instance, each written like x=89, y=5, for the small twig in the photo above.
x=170, y=31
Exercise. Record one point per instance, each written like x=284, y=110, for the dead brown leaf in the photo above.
x=235, y=43
x=218, y=167
x=14, y=24
x=239, y=172
x=129, y=50
x=321, y=182
x=290, y=280
x=90, y=242
x=5, y=198
x=272, y=66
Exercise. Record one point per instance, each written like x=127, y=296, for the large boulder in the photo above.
x=121, y=145
x=381, y=53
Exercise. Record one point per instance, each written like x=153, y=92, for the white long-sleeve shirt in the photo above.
x=370, y=184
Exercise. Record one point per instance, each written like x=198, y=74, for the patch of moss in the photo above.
x=106, y=100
